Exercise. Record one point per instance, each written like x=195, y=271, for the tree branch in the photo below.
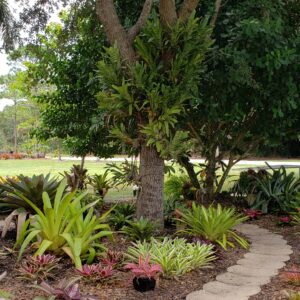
x=167, y=12
x=214, y=18
x=135, y=29
x=187, y=8
x=115, y=32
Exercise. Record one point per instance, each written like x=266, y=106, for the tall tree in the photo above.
x=159, y=69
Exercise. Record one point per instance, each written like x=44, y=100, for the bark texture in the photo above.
x=114, y=31
x=185, y=162
x=149, y=202
x=167, y=12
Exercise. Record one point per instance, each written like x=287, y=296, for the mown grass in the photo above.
x=55, y=167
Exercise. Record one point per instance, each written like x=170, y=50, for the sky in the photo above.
x=4, y=63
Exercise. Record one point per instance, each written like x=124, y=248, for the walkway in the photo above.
x=267, y=254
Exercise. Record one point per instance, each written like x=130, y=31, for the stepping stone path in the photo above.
x=268, y=253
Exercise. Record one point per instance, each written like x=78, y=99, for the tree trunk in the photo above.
x=150, y=199
x=224, y=176
x=82, y=162
x=185, y=162
x=210, y=176
x=15, y=128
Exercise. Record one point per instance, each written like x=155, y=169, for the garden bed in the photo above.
x=121, y=286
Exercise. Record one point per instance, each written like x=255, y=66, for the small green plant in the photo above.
x=176, y=257
x=120, y=214
x=142, y=229
x=213, y=223
x=124, y=174
x=6, y=295
x=178, y=187
x=170, y=206
x=100, y=183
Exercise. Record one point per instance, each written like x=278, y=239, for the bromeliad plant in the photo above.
x=213, y=223
x=176, y=257
x=76, y=178
x=96, y=272
x=142, y=229
x=121, y=214
x=15, y=189
x=63, y=228
x=39, y=267
x=100, y=183
x=66, y=290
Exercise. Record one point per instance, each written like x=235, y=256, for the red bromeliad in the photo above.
x=144, y=268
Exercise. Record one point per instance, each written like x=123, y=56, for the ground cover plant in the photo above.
x=176, y=257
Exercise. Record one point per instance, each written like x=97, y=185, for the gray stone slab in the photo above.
x=240, y=280
x=264, y=264
x=266, y=249
x=203, y=295
x=253, y=271
x=220, y=288
x=266, y=257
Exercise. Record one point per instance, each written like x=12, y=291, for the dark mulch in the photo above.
x=120, y=287
x=275, y=289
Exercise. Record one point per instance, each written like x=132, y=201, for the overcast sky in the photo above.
x=4, y=64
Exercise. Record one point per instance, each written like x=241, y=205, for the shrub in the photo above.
x=142, y=229
x=176, y=257
x=178, y=187
x=62, y=227
x=120, y=214
x=76, y=178
x=214, y=224
x=276, y=192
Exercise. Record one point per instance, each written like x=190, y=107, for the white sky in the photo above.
x=4, y=64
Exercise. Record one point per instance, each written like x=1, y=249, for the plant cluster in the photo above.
x=213, y=223
x=120, y=214
x=100, y=183
x=65, y=227
x=39, y=267
x=139, y=230
x=96, y=272
x=292, y=275
x=176, y=257
x=77, y=178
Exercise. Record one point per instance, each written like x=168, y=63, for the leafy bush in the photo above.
x=176, y=257
x=120, y=214
x=292, y=295
x=62, y=227
x=214, y=224
x=142, y=229
x=100, y=183
x=124, y=174
x=276, y=192
x=178, y=187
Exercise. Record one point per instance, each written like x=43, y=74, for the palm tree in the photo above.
x=7, y=22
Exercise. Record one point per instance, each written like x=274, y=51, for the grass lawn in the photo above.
x=55, y=167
